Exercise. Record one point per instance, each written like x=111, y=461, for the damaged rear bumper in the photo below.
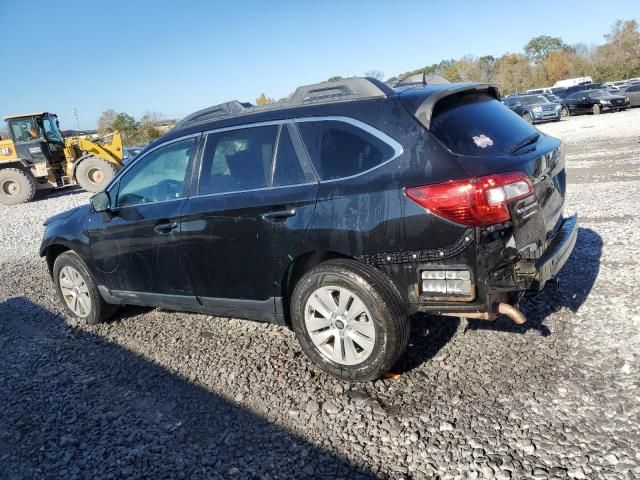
x=558, y=251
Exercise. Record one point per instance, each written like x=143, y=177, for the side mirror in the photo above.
x=518, y=104
x=101, y=202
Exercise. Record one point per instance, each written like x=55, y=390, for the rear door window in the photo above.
x=478, y=124
x=237, y=160
x=339, y=149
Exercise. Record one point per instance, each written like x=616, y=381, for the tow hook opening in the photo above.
x=512, y=312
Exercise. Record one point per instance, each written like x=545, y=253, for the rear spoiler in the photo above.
x=423, y=110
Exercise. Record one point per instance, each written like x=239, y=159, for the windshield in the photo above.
x=478, y=124
x=599, y=93
x=51, y=130
x=530, y=100
x=25, y=130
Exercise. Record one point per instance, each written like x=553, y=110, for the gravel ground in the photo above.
x=157, y=394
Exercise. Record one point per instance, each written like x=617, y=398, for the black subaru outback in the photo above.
x=338, y=213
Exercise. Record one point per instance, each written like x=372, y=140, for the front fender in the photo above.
x=66, y=233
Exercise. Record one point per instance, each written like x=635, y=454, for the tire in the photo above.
x=16, y=186
x=565, y=113
x=527, y=118
x=596, y=109
x=91, y=307
x=384, y=320
x=94, y=174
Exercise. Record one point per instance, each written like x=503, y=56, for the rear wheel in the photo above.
x=527, y=117
x=78, y=291
x=16, y=186
x=596, y=109
x=349, y=320
x=94, y=174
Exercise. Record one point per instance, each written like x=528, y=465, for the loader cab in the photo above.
x=36, y=136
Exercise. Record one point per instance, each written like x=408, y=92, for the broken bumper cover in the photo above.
x=558, y=251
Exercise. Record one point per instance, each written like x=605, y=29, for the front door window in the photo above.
x=158, y=177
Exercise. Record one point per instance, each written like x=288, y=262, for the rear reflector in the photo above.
x=476, y=202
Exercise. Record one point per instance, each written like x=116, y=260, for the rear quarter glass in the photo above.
x=477, y=124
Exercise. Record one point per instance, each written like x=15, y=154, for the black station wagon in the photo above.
x=338, y=213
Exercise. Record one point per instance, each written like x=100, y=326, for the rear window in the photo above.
x=339, y=149
x=477, y=124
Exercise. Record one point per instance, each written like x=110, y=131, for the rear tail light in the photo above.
x=476, y=202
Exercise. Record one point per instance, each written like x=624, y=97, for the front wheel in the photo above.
x=94, y=174
x=16, y=186
x=527, y=118
x=596, y=109
x=564, y=113
x=349, y=319
x=77, y=290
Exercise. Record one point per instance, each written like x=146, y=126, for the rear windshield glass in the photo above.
x=478, y=124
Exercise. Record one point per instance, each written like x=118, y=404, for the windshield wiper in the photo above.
x=527, y=141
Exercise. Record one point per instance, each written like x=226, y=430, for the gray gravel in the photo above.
x=157, y=394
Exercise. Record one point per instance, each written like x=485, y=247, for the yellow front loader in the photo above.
x=37, y=156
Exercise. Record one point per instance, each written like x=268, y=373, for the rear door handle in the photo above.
x=278, y=215
x=165, y=227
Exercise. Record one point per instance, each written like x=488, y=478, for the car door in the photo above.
x=571, y=102
x=136, y=244
x=634, y=95
x=248, y=217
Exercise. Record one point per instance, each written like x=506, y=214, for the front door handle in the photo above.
x=278, y=215
x=165, y=227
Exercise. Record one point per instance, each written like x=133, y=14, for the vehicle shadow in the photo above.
x=62, y=192
x=429, y=333
x=76, y=405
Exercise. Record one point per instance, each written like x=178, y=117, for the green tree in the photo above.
x=127, y=126
x=335, y=78
x=539, y=48
x=620, y=56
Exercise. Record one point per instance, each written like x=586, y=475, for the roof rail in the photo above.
x=356, y=88
x=226, y=109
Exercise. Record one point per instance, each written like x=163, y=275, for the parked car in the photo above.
x=130, y=153
x=558, y=90
x=338, y=213
x=534, y=108
x=633, y=94
x=564, y=111
x=536, y=91
x=582, y=87
x=595, y=101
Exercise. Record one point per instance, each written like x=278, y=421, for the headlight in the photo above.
x=537, y=109
x=558, y=106
x=604, y=102
x=626, y=99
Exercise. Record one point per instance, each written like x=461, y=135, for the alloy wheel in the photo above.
x=75, y=291
x=340, y=325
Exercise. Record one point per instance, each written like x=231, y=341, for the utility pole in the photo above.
x=75, y=113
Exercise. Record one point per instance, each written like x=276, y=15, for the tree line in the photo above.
x=134, y=132
x=543, y=61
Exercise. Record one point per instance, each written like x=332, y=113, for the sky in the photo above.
x=175, y=57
